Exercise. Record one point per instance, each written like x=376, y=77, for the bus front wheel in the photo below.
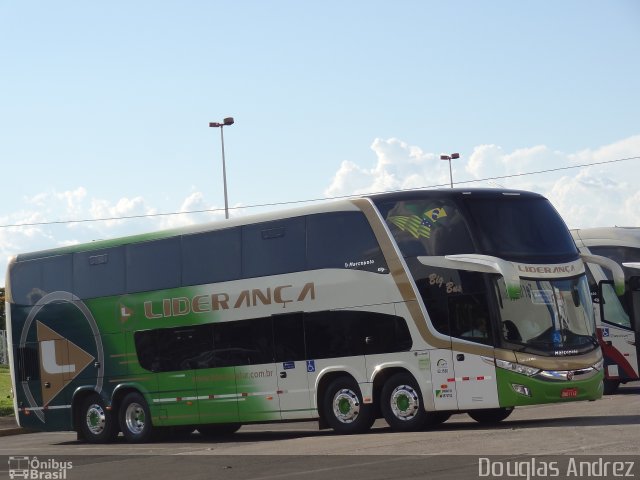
x=490, y=415
x=135, y=419
x=402, y=403
x=344, y=410
x=97, y=423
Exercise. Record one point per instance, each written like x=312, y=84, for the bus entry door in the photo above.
x=443, y=380
x=475, y=381
x=291, y=367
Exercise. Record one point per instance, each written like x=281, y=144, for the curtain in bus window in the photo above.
x=428, y=227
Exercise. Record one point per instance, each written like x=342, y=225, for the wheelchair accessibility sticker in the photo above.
x=311, y=366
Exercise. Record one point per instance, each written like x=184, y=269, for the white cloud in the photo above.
x=78, y=204
x=600, y=195
x=398, y=166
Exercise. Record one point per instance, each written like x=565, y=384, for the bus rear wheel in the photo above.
x=97, y=423
x=402, y=405
x=344, y=410
x=490, y=415
x=135, y=419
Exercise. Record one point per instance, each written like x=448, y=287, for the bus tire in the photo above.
x=218, y=429
x=344, y=410
x=402, y=405
x=490, y=415
x=610, y=386
x=97, y=424
x=135, y=419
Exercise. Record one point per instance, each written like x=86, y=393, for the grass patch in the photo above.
x=6, y=402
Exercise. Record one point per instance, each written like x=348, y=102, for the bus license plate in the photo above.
x=569, y=393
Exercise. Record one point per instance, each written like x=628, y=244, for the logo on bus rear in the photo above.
x=59, y=342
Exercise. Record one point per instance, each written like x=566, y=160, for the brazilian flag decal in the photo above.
x=419, y=225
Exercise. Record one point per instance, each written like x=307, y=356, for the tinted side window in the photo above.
x=99, y=273
x=343, y=240
x=288, y=333
x=174, y=349
x=386, y=334
x=470, y=317
x=247, y=342
x=153, y=265
x=33, y=279
x=211, y=257
x=272, y=248
x=334, y=334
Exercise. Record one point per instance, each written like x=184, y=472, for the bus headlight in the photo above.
x=516, y=367
x=598, y=366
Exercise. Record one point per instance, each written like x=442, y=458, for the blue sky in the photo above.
x=104, y=107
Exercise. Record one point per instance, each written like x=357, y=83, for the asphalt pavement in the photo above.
x=9, y=426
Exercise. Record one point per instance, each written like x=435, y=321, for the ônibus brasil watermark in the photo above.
x=38, y=469
x=569, y=467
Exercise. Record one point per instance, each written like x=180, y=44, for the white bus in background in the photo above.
x=618, y=317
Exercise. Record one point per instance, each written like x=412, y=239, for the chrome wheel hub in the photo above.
x=405, y=402
x=135, y=418
x=346, y=405
x=96, y=419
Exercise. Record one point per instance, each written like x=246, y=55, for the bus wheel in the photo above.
x=218, y=430
x=610, y=386
x=343, y=407
x=490, y=415
x=402, y=403
x=135, y=419
x=97, y=423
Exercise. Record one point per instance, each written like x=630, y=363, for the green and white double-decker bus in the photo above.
x=410, y=306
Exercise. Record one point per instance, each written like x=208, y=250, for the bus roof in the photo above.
x=614, y=236
x=325, y=206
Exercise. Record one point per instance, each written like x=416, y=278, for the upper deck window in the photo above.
x=426, y=226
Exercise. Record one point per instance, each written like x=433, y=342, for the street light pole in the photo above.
x=450, y=157
x=227, y=121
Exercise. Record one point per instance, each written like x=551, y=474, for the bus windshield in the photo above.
x=551, y=316
x=504, y=229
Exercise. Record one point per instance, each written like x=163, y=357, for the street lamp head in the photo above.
x=445, y=157
x=455, y=155
x=226, y=122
